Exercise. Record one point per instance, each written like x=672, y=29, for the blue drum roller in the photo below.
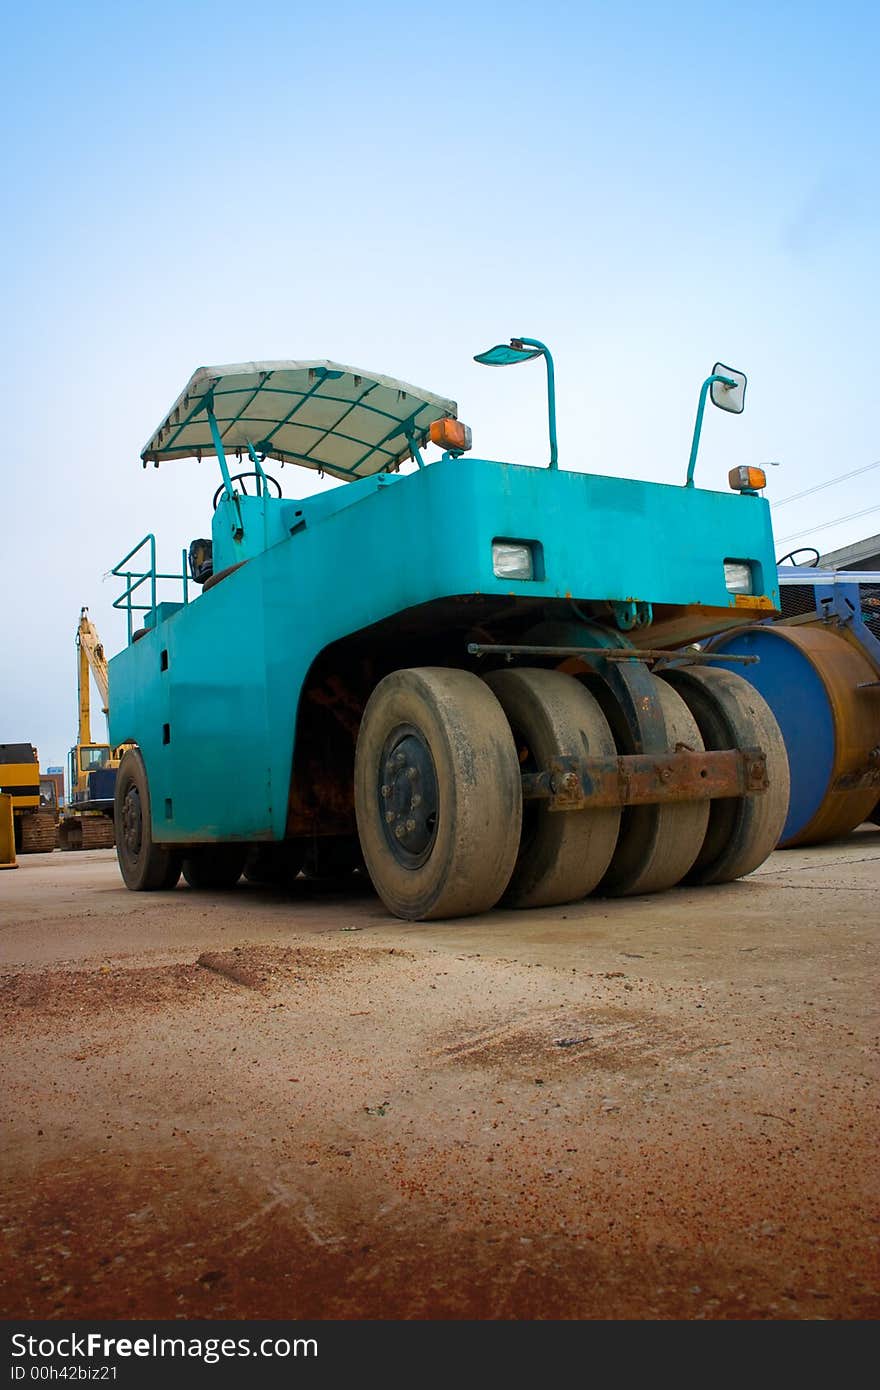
x=821, y=687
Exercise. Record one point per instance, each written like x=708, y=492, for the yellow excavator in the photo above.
x=87, y=819
x=28, y=809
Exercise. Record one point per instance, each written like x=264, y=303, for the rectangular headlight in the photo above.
x=512, y=560
x=738, y=576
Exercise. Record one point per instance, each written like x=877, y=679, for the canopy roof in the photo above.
x=341, y=420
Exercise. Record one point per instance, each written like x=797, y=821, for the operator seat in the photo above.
x=201, y=560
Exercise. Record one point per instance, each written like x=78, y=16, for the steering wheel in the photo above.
x=802, y=550
x=240, y=477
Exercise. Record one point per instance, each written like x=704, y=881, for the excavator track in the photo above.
x=38, y=832
x=87, y=832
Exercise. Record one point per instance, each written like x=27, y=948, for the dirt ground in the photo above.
x=256, y=1105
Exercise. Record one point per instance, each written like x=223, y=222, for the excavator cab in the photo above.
x=86, y=762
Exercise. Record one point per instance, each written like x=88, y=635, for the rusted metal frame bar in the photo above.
x=644, y=779
x=608, y=653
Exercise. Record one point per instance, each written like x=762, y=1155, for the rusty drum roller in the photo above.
x=824, y=692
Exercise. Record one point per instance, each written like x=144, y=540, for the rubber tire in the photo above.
x=563, y=855
x=658, y=844
x=731, y=713
x=479, y=792
x=153, y=867
x=274, y=864
x=214, y=867
x=332, y=857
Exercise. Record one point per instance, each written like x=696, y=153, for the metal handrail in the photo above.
x=135, y=578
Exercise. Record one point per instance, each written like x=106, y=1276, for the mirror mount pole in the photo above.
x=698, y=424
x=551, y=391
x=522, y=350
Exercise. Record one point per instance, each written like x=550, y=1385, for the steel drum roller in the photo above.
x=819, y=686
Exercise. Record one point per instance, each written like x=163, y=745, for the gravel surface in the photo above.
x=252, y=1105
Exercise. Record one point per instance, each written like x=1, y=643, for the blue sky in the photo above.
x=646, y=187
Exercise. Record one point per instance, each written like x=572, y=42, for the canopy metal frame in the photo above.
x=407, y=429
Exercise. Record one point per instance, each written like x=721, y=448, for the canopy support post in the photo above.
x=414, y=450
x=258, y=468
x=237, y=523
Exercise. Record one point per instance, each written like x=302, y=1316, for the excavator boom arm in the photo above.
x=92, y=649
x=84, y=727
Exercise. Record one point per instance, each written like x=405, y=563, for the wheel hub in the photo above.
x=132, y=821
x=408, y=796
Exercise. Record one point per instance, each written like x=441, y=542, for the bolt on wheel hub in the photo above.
x=132, y=821
x=408, y=796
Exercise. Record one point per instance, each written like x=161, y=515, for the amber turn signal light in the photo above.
x=745, y=479
x=451, y=435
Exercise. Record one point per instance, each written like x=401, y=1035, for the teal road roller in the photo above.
x=473, y=680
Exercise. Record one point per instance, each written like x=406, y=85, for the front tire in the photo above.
x=274, y=865
x=438, y=795
x=332, y=858
x=144, y=865
x=215, y=867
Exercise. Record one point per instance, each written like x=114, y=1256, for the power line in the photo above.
x=796, y=496
x=808, y=530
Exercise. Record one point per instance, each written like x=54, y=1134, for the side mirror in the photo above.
x=732, y=398
x=728, y=389
x=522, y=350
